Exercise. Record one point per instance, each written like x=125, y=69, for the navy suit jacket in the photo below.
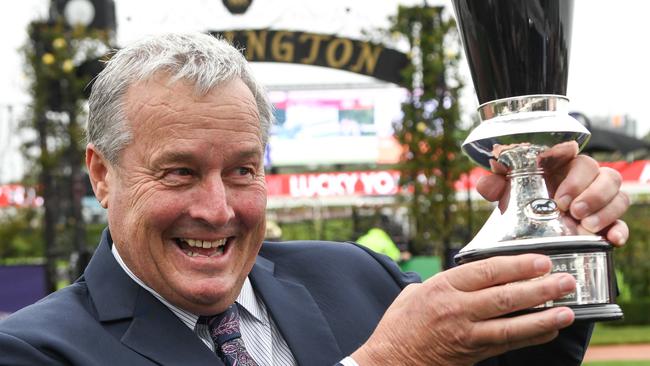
x=326, y=299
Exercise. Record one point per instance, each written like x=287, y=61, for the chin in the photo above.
x=210, y=299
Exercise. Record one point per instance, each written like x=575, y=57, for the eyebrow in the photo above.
x=176, y=156
x=248, y=153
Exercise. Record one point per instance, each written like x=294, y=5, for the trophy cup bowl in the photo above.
x=518, y=55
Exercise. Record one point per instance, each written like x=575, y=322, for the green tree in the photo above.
x=56, y=57
x=633, y=260
x=17, y=239
x=430, y=129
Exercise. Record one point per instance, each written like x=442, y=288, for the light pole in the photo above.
x=76, y=13
x=80, y=13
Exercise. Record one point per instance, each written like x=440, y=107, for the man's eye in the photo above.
x=178, y=176
x=180, y=172
x=246, y=171
x=184, y=172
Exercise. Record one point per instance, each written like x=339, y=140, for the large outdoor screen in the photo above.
x=336, y=126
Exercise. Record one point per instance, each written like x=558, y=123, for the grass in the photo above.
x=604, y=334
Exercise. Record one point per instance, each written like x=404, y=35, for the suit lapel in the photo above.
x=153, y=330
x=159, y=335
x=297, y=316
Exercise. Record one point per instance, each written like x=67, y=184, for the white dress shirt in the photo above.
x=260, y=334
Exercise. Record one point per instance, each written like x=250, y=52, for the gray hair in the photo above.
x=204, y=60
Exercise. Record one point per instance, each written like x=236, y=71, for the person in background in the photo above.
x=273, y=231
x=176, y=136
x=378, y=240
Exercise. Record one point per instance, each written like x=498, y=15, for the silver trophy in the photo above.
x=518, y=53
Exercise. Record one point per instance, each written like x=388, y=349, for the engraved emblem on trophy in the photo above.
x=518, y=53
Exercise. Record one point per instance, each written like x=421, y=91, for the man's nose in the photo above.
x=212, y=203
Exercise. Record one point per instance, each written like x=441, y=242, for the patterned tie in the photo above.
x=224, y=330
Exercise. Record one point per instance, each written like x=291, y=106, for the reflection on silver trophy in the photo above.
x=518, y=53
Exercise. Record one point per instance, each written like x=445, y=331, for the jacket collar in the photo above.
x=297, y=316
x=153, y=331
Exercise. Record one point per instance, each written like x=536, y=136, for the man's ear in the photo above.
x=98, y=172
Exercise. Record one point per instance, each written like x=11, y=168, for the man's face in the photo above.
x=186, y=203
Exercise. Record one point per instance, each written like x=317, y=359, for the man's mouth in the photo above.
x=202, y=248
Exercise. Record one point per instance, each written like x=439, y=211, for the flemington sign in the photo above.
x=273, y=45
x=371, y=59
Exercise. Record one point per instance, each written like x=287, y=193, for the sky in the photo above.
x=609, y=70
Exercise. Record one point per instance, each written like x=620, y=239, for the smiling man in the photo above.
x=176, y=135
x=190, y=192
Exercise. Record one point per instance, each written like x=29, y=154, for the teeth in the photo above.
x=204, y=243
x=218, y=245
x=217, y=253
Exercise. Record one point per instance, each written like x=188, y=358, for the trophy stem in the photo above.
x=530, y=208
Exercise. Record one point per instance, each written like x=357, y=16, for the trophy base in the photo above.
x=585, y=313
x=595, y=313
x=589, y=262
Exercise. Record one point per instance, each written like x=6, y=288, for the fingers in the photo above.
x=501, y=300
x=603, y=189
x=559, y=155
x=608, y=214
x=492, y=186
x=521, y=331
x=600, y=205
x=540, y=339
x=592, y=195
x=495, y=187
x=581, y=172
x=497, y=271
x=618, y=233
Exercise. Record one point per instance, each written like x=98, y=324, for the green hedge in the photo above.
x=633, y=260
x=635, y=312
x=425, y=266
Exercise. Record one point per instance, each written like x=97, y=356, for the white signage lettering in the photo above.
x=342, y=184
x=323, y=185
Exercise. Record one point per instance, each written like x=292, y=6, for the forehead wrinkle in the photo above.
x=234, y=109
x=211, y=114
x=152, y=112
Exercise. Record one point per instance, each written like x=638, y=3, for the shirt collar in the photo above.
x=249, y=301
x=246, y=299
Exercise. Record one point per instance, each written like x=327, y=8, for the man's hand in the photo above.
x=454, y=318
x=589, y=193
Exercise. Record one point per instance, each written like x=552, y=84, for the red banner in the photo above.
x=16, y=195
x=385, y=182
